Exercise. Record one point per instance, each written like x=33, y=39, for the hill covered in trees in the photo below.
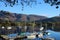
x=13, y=19
x=4, y=15
x=51, y=23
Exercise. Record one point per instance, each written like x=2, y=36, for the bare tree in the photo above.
x=29, y=2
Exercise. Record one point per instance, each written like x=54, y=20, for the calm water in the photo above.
x=53, y=34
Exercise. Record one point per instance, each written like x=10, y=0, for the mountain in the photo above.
x=52, y=23
x=5, y=15
x=53, y=19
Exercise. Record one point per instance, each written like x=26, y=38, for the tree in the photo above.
x=53, y=2
x=29, y=2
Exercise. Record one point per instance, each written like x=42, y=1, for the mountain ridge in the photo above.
x=19, y=17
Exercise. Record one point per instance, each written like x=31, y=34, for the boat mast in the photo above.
x=25, y=26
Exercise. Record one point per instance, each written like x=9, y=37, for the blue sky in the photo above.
x=39, y=9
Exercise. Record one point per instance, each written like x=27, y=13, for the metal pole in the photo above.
x=53, y=24
x=46, y=26
x=40, y=24
x=25, y=26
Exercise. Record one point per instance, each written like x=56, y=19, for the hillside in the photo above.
x=51, y=22
x=4, y=15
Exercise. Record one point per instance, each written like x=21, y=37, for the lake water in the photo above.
x=53, y=34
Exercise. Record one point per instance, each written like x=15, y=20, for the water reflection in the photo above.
x=52, y=34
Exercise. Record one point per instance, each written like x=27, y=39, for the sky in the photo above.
x=42, y=9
